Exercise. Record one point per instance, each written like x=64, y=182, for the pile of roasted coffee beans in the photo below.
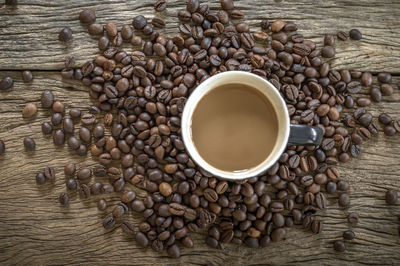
x=143, y=94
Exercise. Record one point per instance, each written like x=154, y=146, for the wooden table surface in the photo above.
x=35, y=229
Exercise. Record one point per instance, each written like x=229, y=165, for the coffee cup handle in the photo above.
x=303, y=135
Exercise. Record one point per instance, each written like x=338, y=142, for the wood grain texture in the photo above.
x=29, y=33
x=35, y=229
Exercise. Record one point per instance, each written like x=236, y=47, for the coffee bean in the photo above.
x=65, y=34
x=317, y=227
x=391, y=197
x=95, y=29
x=329, y=40
x=353, y=218
x=141, y=239
x=386, y=89
x=56, y=119
x=237, y=14
x=47, y=99
x=384, y=77
x=111, y=29
x=58, y=107
x=6, y=83
x=75, y=113
x=29, y=110
x=40, y=178
x=88, y=119
x=385, y=119
x=139, y=22
x=344, y=200
x=109, y=222
x=2, y=147
x=227, y=4
x=49, y=173
x=396, y=125
x=355, y=34
x=29, y=143
x=158, y=22
x=389, y=130
x=278, y=234
x=27, y=76
x=210, y=195
x=160, y=5
x=348, y=235
x=363, y=101
x=63, y=198
x=102, y=204
x=328, y=51
x=342, y=35
x=87, y=16
x=277, y=25
x=47, y=128
x=58, y=137
x=173, y=251
x=84, y=174
x=365, y=119
x=260, y=36
x=84, y=191
x=128, y=228
x=71, y=184
x=366, y=79
x=339, y=246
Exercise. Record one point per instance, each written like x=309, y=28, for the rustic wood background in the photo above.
x=35, y=229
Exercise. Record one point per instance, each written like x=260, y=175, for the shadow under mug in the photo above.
x=287, y=133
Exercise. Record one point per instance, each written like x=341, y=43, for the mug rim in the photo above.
x=283, y=123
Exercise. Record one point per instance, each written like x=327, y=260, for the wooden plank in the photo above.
x=35, y=229
x=28, y=33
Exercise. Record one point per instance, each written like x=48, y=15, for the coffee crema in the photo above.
x=234, y=127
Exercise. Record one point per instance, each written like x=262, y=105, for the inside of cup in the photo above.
x=267, y=90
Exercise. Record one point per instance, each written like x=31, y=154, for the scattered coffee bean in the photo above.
x=71, y=184
x=29, y=110
x=355, y=34
x=353, y=218
x=139, y=22
x=391, y=197
x=227, y=4
x=389, y=130
x=348, y=235
x=75, y=113
x=102, y=204
x=27, y=76
x=160, y=5
x=339, y=246
x=95, y=29
x=344, y=200
x=87, y=16
x=65, y=34
x=384, y=77
x=40, y=178
x=2, y=147
x=342, y=35
x=63, y=198
x=6, y=83
x=158, y=22
x=49, y=173
x=386, y=89
x=58, y=107
x=128, y=228
x=47, y=128
x=58, y=137
x=29, y=144
x=385, y=119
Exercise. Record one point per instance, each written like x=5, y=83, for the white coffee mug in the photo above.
x=287, y=133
